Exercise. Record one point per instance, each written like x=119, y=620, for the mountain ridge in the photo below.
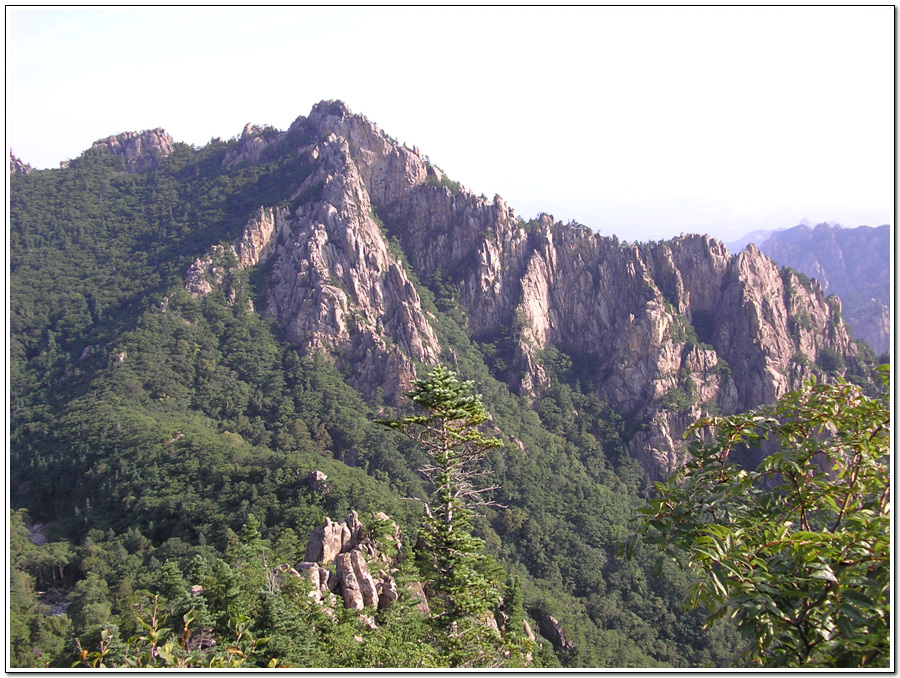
x=554, y=281
x=199, y=336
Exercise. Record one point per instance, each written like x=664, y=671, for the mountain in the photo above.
x=198, y=335
x=853, y=263
x=664, y=332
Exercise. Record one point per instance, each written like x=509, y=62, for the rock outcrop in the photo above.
x=336, y=286
x=672, y=330
x=317, y=481
x=327, y=541
x=552, y=631
x=342, y=560
x=252, y=145
x=853, y=263
x=16, y=166
x=141, y=151
x=346, y=564
x=668, y=331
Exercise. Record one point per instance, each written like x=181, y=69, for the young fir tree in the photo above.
x=464, y=592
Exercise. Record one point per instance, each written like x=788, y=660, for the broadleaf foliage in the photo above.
x=796, y=551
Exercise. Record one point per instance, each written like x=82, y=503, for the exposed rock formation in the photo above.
x=418, y=592
x=387, y=592
x=853, y=263
x=343, y=563
x=253, y=143
x=654, y=320
x=670, y=330
x=258, y=239
x=552, y=631
x=141, y=151
x=253, y=248
x=16, y=166
x=203, y=274
x=316, y=480
x=526, y=627
x=327, y=541
x=357, y=584
x=335, y=284
x=345, y=546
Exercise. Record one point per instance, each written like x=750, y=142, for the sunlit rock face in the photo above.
x=142, y=151
x=667, y=331
x=341, y=561
x=853, y=263
x=16, y=166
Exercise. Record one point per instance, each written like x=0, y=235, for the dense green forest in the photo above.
x=160, y=442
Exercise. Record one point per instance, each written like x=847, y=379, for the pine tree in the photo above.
x=464, y=588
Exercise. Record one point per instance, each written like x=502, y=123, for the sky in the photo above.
x=641, y=122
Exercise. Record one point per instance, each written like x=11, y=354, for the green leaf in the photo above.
x=859, y=598
x=852, y=612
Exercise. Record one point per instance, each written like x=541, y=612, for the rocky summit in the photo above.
x=669, y=330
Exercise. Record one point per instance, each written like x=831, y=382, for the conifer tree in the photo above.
x=464, y=590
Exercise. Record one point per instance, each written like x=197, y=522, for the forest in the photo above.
x=161, y=450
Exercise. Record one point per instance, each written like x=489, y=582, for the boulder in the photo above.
x=317, y=480
x=353, y=598
x=552, y=631
x=418, y=592
x=364, y=579
x=326, y=542
x=312, y=573
x=355, y=529
x=526, y=627
x=387, y=592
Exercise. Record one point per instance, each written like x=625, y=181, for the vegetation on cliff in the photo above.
x=162, y=440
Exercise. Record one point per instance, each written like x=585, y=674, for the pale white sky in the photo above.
x=643, y=122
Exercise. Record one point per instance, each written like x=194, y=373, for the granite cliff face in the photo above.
x=335, y=284
x=854, y=263
x=673, y=330
x=669, y=330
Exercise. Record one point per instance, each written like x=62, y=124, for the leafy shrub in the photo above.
x=798, y=550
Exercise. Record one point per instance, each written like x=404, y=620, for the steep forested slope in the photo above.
x=193, y=334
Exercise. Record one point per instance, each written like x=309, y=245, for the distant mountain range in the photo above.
x=755, y=237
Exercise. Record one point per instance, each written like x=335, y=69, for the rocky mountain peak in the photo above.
x=669, y=331
x=329, y=112
x=335, y=284
x=141, y=151
x=388, y=170
x=16, y=166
